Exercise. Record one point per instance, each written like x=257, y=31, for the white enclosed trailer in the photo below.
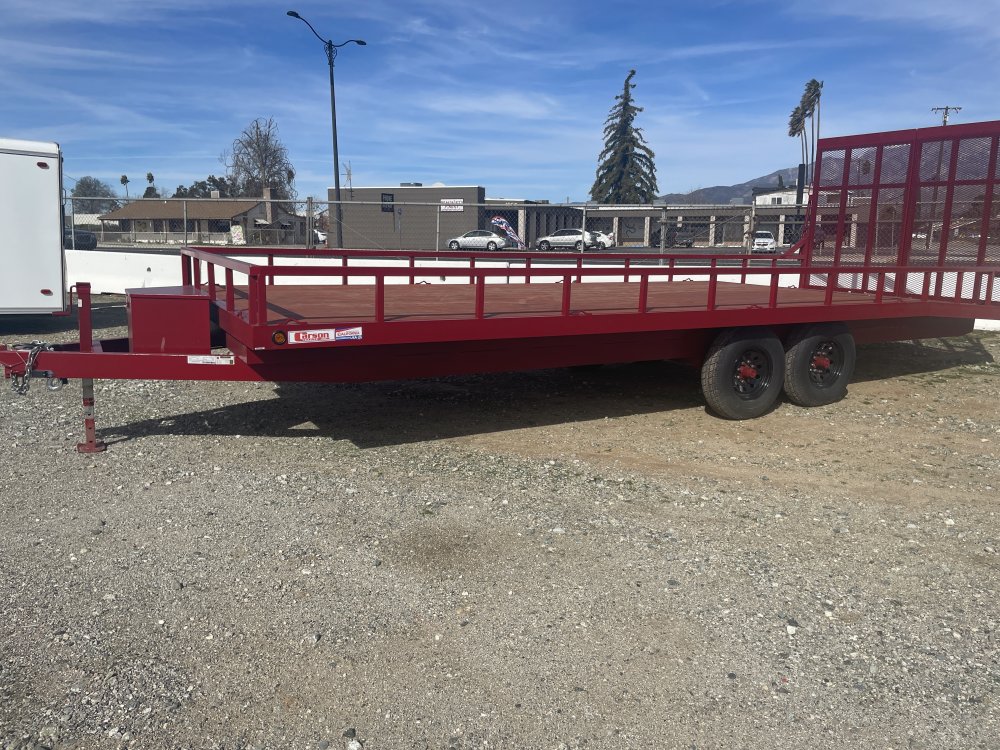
x=32, y=265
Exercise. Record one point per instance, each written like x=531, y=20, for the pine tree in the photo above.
x=625, y=171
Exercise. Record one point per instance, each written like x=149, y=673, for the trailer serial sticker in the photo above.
x=354, y=333
x=210, y=359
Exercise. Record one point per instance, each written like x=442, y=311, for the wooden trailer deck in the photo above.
x=331, y=304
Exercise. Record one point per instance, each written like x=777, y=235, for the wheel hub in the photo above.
x=752, y=374
x=824, y=367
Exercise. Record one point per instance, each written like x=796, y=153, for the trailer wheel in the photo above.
x=819, y=362
x=742, y=374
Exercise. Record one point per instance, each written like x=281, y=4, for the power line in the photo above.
x=945, y=111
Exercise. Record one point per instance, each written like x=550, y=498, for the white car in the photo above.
x=319, y=236
x=763, y=242
x=567, y=238
x=605, y=240
x=478, y=239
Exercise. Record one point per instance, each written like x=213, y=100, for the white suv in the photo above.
x=566, y=238
x=763, y=242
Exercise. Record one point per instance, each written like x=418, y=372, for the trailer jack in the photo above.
x=92, y=444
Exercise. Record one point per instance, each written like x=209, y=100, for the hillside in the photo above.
x=726, y=194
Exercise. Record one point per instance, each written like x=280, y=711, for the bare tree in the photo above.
x=259, y=160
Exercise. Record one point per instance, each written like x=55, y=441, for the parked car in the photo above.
x=605, y=240
x=567, y=238
x=80, y=239
x=763, y=242
x=478, y=239
x=675, y=238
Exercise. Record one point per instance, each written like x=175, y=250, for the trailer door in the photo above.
x=31, y=252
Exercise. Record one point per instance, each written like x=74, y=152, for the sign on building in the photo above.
x=452, y=204
x=387, y=201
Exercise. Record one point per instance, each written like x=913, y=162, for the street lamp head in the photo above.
x=360, y=42
x=293, y=14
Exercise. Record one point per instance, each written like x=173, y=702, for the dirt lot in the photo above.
x=561, y=559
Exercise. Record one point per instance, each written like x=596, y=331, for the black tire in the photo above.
x=819, y=363
x=601, y=246
x=544, y=246
x=578, y=246
x=491, y=246
x=453, y=245
x=743, y=372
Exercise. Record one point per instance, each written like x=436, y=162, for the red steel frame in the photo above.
x=856, y=285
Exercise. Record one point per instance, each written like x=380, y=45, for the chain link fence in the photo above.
x=448, y=223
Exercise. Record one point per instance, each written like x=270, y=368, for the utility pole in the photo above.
x=934, y=207
x=944, y=112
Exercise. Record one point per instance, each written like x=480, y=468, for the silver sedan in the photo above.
x=478, y=239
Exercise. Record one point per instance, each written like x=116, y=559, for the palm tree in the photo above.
x=810, y=108
x=797, y=127
x=124, y=181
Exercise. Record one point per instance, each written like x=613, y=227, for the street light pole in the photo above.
x=331, y=54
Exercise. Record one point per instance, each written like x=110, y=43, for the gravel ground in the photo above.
x=560, y=559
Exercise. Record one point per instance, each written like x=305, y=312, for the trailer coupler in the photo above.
x=21, y=376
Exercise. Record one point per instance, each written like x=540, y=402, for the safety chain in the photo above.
x=21, y=383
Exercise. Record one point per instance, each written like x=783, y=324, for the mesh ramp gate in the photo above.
x=919, y=198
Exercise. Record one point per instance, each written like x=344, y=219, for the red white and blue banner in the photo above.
x=504, y=225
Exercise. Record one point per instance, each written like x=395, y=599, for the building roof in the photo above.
x=159, y=208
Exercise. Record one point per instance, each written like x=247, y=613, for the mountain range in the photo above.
x=725, y=194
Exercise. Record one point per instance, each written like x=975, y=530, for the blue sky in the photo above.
x=508, y=95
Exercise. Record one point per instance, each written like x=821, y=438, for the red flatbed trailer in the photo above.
x=874, y=276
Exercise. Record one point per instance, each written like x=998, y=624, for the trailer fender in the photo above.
x=743, y=372
x=819, y=363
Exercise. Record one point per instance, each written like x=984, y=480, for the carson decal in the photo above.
x=324, y=335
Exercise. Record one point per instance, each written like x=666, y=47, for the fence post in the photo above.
x=310, y=235
x=184, y=214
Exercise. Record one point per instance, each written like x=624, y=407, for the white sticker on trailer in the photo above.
x=323, y=335
x=210, y=359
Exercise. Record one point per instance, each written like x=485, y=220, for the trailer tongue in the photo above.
x=910, y=249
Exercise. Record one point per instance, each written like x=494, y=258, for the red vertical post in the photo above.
x=230, y=291
x=480, y=297
x=566, y=290
x=527, y=270
x=211, y=282
x=579, y=266
x=84, y=319
x=644, y=293
x=713, y=284
x=258, y=298
x=91, y=444
x=380, y=298
x=413, y=265
x=872, y=237
x=984, y=227
x=472, y=264
x=343, y=264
